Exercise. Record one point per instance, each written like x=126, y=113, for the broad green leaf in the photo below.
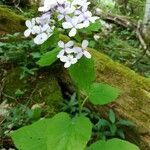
x=94, y=27
x=59, y=133
x=101, y=94
x=113, y=144
x=69, y=134
x=48, y=58
x=32, y=137
x=51, y=43
x=83, y=73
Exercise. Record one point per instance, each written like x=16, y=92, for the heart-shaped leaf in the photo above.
x=101, y=94
x=113, y=144
x=83, y=73
x=69, y=134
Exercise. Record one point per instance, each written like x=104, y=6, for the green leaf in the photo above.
x=113, y=129
x=69, y=134
x=33, y=137
x=125, y=123
x=94, y=27
x=113, y=144
x=101, y=94
x=112, y=116
x=83, y=73
x=59, y=133
x=51, y=43
x=48, y=58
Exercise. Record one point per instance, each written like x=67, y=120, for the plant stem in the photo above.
x=84, y=101
x=79, y=100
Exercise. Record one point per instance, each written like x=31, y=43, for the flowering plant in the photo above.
x=72, y=15
x=63, y=132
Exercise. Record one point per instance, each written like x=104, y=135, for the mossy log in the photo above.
x=134, y=100
x=10, y=22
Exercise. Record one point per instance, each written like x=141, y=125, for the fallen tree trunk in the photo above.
x=10, y=22
x=134, y=100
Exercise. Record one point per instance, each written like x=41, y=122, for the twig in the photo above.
x=123, y=21
x=139, y=35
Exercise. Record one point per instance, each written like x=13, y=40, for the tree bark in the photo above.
x=146, y=22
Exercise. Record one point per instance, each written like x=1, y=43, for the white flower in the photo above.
x=81, y=11
x=96, y=37
x=48, y=5
x=80, y=2
x=85, y=44
x=30, y=24
x=40, y=38
x=73, y=24
x=64, y=12
x=44, y=19
x=69, y=60
x=83, y=50
x=66, y=47
x=87, y=17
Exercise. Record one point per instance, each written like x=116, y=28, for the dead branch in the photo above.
x=126, y=23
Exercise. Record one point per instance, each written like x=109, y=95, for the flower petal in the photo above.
x=85, y=44
x=41, y=38
x=61, y=44
x=28, y=24
x=27, y=33
x=69, y=44
x=86, y=23
x=61, y=54
x=80, y=26
x=67, y=64
x=93, y=19
x=79, y=55
x=77, y=49
x=67, y=25
x=60, y=17
x=69, y=50
x=64, y=58
x=74, y=60
x=87, y=54
x=73, y=32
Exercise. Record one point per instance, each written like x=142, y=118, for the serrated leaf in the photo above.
x=48, y=58
x=113, y=144
x=112, y=116
x=101, y=94
x=83, y=73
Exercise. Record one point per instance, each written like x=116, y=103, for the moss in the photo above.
x=44, y=88
x=11, y=22
x=47, y=90
x=12, y=83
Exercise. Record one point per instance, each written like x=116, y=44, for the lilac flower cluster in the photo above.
x=74, y=15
